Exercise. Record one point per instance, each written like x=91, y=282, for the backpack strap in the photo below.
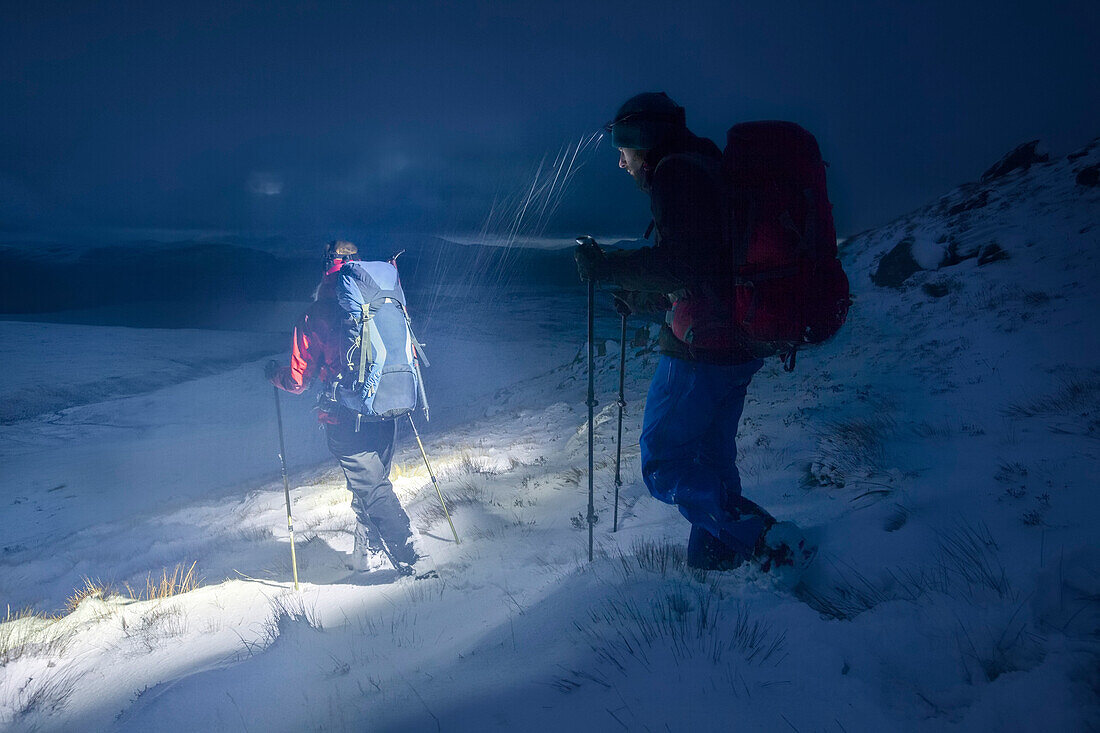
x=419, y=356
x=418, y=348
x=366, y=354
x=808, y=245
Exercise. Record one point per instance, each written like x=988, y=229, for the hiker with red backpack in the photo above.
x=354, y=339
x=744, y=266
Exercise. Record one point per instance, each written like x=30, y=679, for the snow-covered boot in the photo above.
x=368, y=554
x=784, y=552
x=403, y=556
x=396, y=536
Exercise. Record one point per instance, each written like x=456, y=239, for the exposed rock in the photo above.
x=985, y=254
x=992, y=252
x=952, y=255
x=896, y=266
x=936, y=290
x=1083, y=151
x=1089, y=176
x=975, y=202
x=1021, y=158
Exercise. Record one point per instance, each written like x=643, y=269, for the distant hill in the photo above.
x=190, y=273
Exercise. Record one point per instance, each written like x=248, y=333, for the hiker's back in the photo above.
x=379, y=376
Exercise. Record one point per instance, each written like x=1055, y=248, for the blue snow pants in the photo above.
x=689, y=454
x=365, y=457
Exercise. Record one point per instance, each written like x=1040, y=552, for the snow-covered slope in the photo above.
x=944, y=445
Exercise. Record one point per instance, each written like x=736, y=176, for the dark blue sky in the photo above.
x=324, y=118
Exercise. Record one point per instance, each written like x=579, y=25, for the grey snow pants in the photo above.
x=365, y=457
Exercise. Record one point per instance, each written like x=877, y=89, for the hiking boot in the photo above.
x=707, y=552
x=368, y=554
x=784, y=551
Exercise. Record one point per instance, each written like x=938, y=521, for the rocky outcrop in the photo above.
x=1021, y=158
x=1089, y=176
x=896, y=266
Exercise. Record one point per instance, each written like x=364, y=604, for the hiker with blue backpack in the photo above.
x=355, y=340
x=743, y=266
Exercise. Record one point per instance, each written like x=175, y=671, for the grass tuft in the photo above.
x=467, y=494
x=1074, y=397
x=44, y=695
x=26, y=633
x=850, y=451
x=180, y=579
x=687, y=623
x=968, y=556
x=654, y=556
x=966, y=566
x=89, y=589
x=168, y=585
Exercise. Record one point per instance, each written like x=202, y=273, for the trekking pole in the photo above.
x=591, y=407
x=434, y=482
x=587, y=241
x=622, y=404
x=286, y=485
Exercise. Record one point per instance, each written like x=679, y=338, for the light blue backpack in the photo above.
x=381, y=377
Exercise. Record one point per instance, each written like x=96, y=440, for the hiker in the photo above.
x=689, y=430
x=364, y=447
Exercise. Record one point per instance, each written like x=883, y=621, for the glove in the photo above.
x=591, y=262
x=270, y=370
x=622, y=307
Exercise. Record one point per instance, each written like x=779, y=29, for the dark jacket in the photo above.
x=687, y=200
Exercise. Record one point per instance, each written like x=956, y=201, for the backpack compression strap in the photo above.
x=365, y=354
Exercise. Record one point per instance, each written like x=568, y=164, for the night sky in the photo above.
x=411, y=116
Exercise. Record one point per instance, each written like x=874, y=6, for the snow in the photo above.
x=944, y=445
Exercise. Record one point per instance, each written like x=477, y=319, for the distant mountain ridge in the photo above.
x=49, y=280
x=43, y=278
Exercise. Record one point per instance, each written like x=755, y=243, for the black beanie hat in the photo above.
x=645, y=120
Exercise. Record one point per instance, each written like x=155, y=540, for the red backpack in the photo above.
x=787, y=287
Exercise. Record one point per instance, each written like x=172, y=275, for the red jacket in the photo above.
x=317, y=349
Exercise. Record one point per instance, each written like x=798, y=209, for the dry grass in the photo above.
x=90, y=589
x=412, y=469
x=467, y=494
x=179, y=579
x=469, y=463
x=156, y=626
x=43, y=696
x=25, y=632
x=168, y=585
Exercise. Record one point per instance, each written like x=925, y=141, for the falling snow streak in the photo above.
x=513, y=218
